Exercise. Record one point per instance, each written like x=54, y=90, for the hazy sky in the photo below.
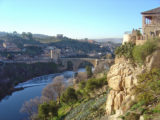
x=74, y=18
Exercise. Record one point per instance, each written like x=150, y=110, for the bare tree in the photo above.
x=31, y=107
x=48, y=93
x=58, y=86
x=101, y=67
x=81, y=76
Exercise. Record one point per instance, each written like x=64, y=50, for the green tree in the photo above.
x=69, y=96
x=91, y=84
x=30, y=36
x=47, y=111
x=89, y=71
x=24, y=35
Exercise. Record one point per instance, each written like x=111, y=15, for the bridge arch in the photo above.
x=77, y=61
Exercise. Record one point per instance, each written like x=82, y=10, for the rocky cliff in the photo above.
x=122, y=78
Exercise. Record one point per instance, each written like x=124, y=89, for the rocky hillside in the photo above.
x=122, y=80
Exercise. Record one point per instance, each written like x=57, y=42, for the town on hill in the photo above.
x=28, y=47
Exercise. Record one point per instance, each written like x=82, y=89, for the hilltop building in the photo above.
x=52, y=52
x=11, y=47
x=150, y=28
x=60, y=36
x=151, y=22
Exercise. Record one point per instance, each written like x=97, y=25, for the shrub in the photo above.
x=69, y=96
x=148, y=88
x=137, y=105
x=82, y=85
x=125, y=50
x=47, y=110
x=89, y=71
x=142, y=51
x=79, y=94
x=132, y=116
x=93, y=83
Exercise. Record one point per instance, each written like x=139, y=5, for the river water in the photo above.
x=10, y=106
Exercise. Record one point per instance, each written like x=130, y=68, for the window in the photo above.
x=148, y=20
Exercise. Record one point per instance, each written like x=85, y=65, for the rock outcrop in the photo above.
x=122, y=78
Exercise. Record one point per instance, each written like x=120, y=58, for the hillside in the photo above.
x=134, y=83
x=73, y=46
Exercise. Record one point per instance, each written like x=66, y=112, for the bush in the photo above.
x=137, y=53
x=148, y=88
x=82, y=85
x=69, y=96
x=125, y=50
x=142, y=51
x=132, y=116
x=93, y=83
x=89, y=71
x=47, y=111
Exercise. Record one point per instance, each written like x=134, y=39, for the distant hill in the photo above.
x=3, y=34
x=41, y=36
x=114, y=40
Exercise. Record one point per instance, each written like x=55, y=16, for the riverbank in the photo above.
x=12, y=74
x=32, y=88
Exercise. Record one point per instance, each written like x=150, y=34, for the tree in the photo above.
x=31, y=107
x=47, y=111
x=91, y=85
x=30, y=36
x=81, y=76
x=48, y=93
x=58, y=86
x=69, y=96
x=102, y=67
x=89, y=71
x=24, y=35
x=15, y=33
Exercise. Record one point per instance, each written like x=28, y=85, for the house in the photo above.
x=150, y=28
x=51, y=52
x=11, y=47
x=151, y=23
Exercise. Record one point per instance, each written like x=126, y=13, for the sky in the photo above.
x=74, y=18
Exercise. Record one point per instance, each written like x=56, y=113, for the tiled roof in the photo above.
x=153, y=11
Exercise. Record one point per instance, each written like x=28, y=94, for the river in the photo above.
x=10, y=106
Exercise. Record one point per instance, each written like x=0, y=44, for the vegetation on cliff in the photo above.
x=137, y=53
x=147, y=102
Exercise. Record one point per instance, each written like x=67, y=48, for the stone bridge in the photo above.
x=77, y=61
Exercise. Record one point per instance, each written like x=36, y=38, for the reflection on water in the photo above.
x=10, y=106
